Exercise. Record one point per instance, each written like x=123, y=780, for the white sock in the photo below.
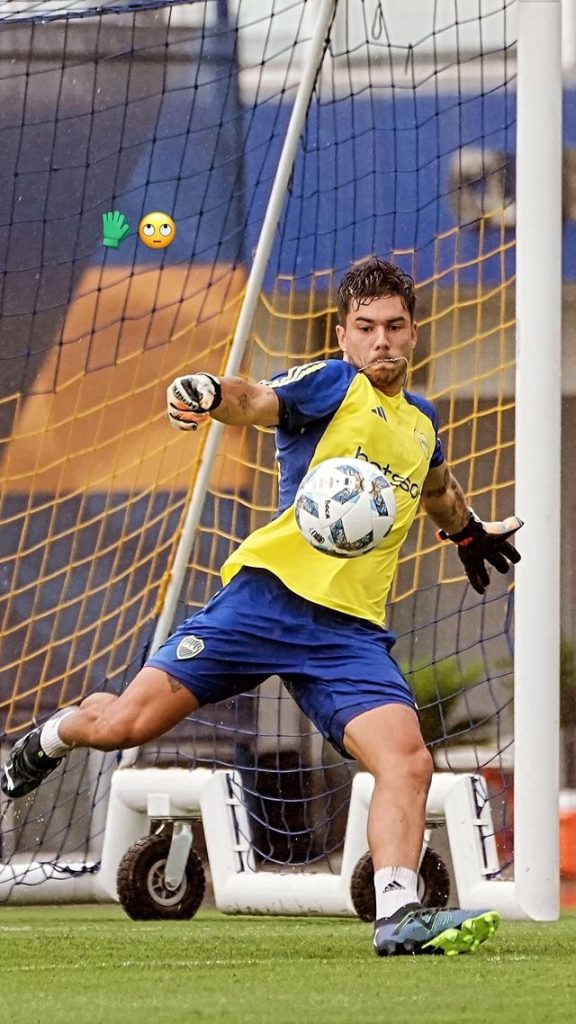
x=395, y=887
x=50, y=741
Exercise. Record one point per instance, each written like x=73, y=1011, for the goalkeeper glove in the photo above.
x=191, y=400
x=479, y=543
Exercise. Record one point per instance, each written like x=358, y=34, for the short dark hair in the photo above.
x=374, y=278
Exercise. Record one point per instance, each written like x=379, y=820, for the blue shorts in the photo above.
x=335, y=666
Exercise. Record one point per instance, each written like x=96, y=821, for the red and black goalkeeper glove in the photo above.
x=479, y=543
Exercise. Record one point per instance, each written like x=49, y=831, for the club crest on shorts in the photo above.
x=189, y=647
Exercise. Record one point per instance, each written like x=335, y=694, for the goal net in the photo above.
x=407, y=150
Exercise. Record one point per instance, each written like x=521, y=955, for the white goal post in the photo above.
x=139, y=796
x=538, y=407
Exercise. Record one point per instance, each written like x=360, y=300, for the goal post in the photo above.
x=538, y=430
x=287, y=138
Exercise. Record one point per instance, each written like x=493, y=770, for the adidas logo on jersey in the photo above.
x=379, y=411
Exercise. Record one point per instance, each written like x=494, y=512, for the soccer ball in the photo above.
x=345, y=507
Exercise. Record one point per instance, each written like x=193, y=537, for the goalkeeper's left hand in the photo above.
x=191, y=399
x=479, y=543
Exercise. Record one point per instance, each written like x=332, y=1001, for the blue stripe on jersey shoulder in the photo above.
x=333, y=371
x=311, y=391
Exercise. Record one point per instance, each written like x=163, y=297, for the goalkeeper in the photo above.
x=317, y=621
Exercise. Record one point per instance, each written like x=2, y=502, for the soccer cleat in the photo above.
x=26, y=766
x=417, y=930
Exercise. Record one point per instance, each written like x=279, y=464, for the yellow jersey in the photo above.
x=329, y=409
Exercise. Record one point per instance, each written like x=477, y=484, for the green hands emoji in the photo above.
x=115, y=227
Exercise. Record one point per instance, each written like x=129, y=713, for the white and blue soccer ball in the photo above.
x=345, y=507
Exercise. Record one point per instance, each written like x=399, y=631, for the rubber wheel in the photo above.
x=433, y=884
x=142, y=887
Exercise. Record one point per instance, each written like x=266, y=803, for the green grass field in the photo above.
x=94, y=965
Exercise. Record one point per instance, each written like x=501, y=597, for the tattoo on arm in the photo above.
x=446, y=503
x=460, y=504
x=244, y=402
x=439, y=492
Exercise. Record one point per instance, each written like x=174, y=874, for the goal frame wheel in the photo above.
x=433, y=884
x=141, y=886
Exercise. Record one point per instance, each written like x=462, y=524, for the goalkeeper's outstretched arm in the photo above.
x=444, y=500
x=192, y=399
x=478, y=542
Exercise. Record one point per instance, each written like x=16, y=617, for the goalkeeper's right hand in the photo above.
x=191, y=399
